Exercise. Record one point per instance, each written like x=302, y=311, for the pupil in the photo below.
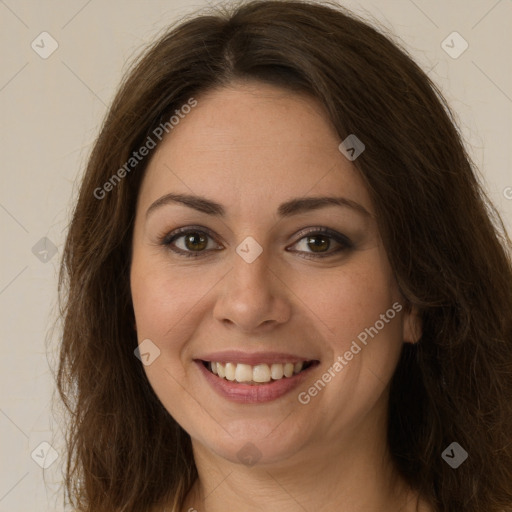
x=195, y=238
x=317, y=243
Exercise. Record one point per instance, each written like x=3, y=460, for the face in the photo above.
x=238, y=260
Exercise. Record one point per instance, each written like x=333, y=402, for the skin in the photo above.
x=251, y=147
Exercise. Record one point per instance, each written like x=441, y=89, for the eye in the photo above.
x=317, y=242
x=194, y=242
x=189, y=242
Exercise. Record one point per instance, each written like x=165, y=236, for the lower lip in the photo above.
x=252, y=394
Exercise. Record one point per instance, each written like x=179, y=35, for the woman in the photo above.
x=283, y=286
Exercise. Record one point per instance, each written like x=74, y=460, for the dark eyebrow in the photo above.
x=305, y=204
x=287, y=209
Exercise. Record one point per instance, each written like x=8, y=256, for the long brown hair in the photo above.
x=445, y=241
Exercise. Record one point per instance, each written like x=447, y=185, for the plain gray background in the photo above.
x=51, y=111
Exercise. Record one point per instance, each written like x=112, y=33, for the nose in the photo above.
x=252, y=297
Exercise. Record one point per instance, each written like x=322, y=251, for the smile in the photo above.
x=256, y=374
x=254, y=378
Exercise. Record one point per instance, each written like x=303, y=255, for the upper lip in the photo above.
x=253, y=358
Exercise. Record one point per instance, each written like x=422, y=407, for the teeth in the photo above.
x=288, y=369
x=277, y=371
x=243, y=373
x=230, y=370
x=259, y=373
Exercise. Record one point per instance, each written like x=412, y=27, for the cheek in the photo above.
x=350, y=298
x=362, y=308
x=364, y=315
x=170, y=304
x=163, y=297
x=164, y=306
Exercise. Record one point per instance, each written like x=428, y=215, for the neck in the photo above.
x=350, y=475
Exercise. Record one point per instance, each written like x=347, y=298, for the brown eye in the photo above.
x=189, y=242
x=318, y=243
x=195, y=241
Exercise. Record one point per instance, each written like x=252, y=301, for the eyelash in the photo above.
x=341, y=239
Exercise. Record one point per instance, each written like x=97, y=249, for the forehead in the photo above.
x=252, y=142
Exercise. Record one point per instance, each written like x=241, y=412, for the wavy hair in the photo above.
x=445, y=241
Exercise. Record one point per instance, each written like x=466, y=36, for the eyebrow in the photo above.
x=286, y=209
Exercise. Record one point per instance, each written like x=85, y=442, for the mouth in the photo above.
x=257, y=379
x=259, y=374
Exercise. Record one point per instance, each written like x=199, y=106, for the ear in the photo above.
x=412, y=326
